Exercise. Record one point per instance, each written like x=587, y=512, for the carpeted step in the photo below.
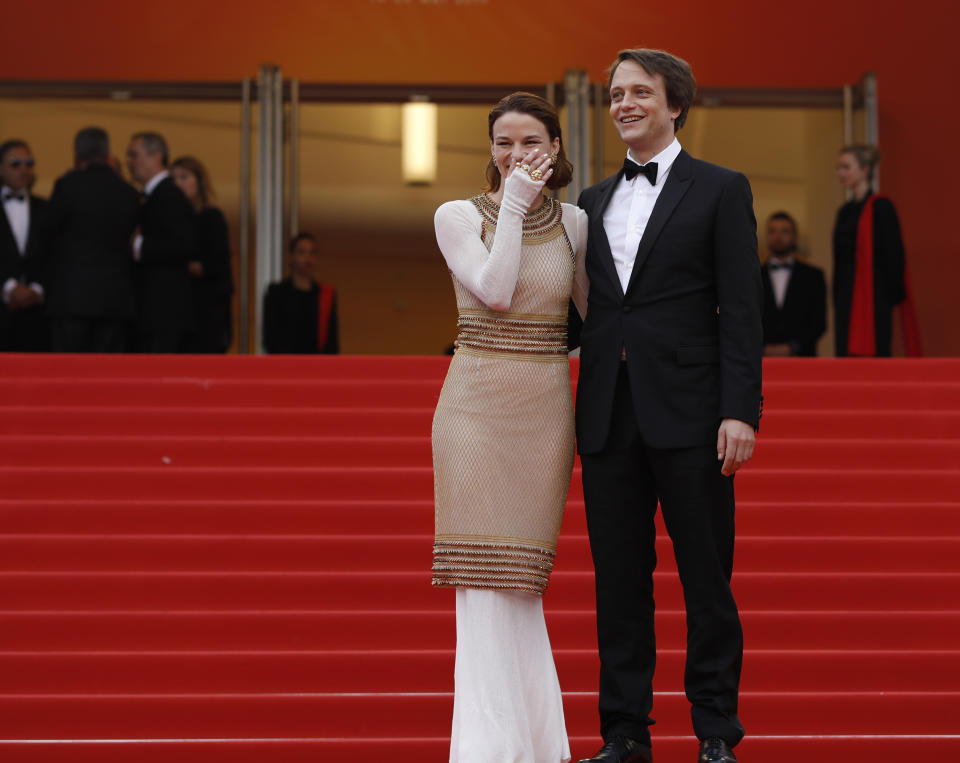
x=219, y=591
x=384, y=482
x=421, y=392
x=358, y=716
x=825, y=517
x=265, y=421
x=348, y=451
x=332, y=671
x=849, y=748
x=391, y=629
x=410, y=553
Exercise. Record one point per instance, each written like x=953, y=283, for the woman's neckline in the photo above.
x=544, y=200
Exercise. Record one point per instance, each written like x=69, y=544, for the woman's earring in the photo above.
x=554, y=157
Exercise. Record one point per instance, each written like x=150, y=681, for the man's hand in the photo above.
x=735, y=442
x=778, y=350
x=23, y=297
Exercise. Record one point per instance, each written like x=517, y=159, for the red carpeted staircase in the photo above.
x=227, y=559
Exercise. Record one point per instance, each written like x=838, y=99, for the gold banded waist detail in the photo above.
x=513, y=334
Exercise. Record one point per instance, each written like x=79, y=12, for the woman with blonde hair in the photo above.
x=869, y=273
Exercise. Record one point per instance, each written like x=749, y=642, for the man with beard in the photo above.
x=794, y=295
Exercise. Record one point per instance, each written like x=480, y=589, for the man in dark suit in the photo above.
x=23, y=321
x=162, y=250
x=667, y=403
x=794, y=294
x=91, y=220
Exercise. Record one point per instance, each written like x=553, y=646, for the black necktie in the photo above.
x=15, y=195
x=780, y=266
x=649, y=170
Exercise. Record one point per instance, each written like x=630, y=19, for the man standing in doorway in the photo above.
x=162, y=250
x=668, y=401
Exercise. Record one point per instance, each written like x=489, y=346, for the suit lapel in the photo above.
x=769, y=298
x=598, y=234
x=788, y=295
x=676, y=186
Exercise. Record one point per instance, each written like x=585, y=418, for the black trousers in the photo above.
x=622, y=485
x=24, y=330
x=89, y=334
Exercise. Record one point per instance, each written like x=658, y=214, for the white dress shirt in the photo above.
x=147, y=190
x=780, y=278
x=18, y=215
x=626, y=216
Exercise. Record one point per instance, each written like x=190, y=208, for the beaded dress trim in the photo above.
x=532, y=336
x=544, y=223
x=497, y=565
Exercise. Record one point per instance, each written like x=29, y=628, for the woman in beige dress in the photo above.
x=503, y=435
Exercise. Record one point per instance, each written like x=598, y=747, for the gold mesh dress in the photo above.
x=503, y=444
x=503, y=431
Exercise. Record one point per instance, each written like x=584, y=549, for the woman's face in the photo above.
x=515, y=135
x=850, y=172
x=187, y=182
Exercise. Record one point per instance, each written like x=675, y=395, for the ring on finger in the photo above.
x=536, y=174
x=525, y=167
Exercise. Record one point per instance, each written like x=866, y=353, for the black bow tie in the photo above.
x=15, y=196
x=780, y=266
x=649, y=170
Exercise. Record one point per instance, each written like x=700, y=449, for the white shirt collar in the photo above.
x=664, y=159
x=155, y=181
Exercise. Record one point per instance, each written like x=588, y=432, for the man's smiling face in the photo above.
x=639, y=109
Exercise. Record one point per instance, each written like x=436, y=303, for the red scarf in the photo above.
x=324, y=309
x=862, y=336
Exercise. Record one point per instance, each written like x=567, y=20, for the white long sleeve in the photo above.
x=490, y=276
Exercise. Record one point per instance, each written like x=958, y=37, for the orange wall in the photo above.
x=738, y=43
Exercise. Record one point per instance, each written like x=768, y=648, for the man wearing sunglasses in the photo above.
x=23, y=322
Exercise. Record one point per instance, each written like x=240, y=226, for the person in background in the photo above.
x=23, y=322
x=91, y=220
x=166, y=243
x=794, y=294
x=869, y=276
x=299, y=313
x=211, y=273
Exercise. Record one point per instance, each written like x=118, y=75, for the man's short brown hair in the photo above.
x=676, y=74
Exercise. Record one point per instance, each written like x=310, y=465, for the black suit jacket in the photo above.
x=690, y=319
x=30, y=267
x=27, y=268
x=168, y=228
x=802, y=319
x=90, y=222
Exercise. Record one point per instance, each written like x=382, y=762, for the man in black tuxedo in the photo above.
x=668, y=401
x=23, y=321
x=794, y=294
x=91, y=220
x=162, y=250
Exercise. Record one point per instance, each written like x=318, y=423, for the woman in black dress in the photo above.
x=300, y=314
x=211, y=272
x=868, y=259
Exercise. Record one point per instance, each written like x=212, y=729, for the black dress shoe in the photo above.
x=621, y=750
x=715, y=750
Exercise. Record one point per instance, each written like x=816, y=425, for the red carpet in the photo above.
x=227, y=559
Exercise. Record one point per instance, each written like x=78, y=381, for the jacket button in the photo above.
x=626, y=308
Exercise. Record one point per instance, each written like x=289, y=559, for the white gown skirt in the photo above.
x=507, y=705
